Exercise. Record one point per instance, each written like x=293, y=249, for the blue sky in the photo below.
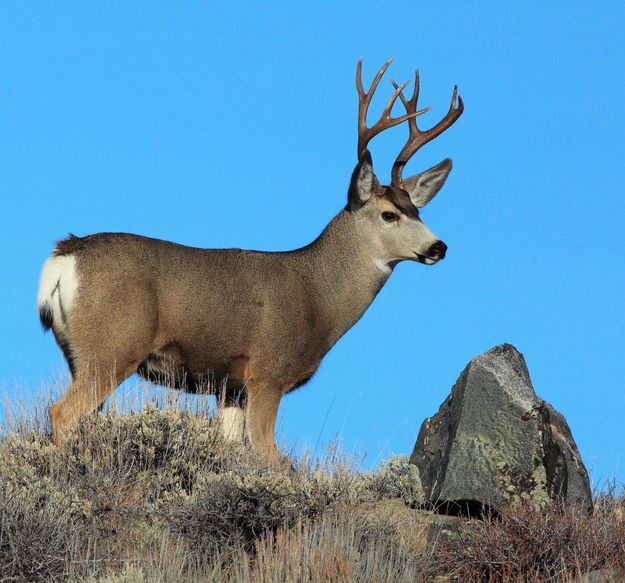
x=233, y=125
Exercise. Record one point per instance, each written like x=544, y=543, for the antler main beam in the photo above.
x=386, y=121
x=416, y=137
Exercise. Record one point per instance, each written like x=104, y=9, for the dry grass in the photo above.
x=157, y=496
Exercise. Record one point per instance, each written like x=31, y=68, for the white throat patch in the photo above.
x=383, y=265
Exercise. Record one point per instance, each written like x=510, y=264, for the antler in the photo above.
x=416, y=137
x=386, y=121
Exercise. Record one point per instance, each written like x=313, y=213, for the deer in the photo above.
x=247, y=326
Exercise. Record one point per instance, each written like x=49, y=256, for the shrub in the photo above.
x=237, y=506
x=526, y=544
x=395, y=478
x=37, y=534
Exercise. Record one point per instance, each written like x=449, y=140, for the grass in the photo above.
x=158, y=496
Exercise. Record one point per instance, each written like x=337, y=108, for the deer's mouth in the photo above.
x=426, y=260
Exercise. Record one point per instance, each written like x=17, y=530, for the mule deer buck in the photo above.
x=249, y=326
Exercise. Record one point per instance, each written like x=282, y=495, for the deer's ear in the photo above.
x=363, y=183
x=423, y=187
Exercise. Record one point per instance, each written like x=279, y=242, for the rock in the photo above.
x=440, y=528
x=418, y=528
x=494, y=443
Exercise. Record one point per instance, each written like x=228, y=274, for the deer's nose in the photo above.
x=438, y=249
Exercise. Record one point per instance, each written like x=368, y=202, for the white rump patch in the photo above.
x=231, y=420
x=58, y=284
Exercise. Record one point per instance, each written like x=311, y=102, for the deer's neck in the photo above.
x=344, y=272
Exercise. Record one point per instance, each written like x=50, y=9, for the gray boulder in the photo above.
x=494, y=443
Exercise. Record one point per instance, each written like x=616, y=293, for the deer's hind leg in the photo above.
x=90, y=388
x=106, y=340
x=101, y=360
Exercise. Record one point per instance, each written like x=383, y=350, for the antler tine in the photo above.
x=412, y=102
x=417, y=138
x=364, y=99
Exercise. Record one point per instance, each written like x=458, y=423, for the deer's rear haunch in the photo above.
x=248, y=326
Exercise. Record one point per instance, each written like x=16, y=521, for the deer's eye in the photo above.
x=390, y=217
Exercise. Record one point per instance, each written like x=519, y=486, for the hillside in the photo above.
x=157, y=496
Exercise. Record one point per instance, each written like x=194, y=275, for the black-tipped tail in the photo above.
x=46, y=316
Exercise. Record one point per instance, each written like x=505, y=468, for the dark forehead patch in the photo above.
x=401, y=200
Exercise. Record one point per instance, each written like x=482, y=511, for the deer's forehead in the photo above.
x=400, y=199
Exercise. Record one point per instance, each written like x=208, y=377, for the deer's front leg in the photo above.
x=231, y=411
x=263, y=400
